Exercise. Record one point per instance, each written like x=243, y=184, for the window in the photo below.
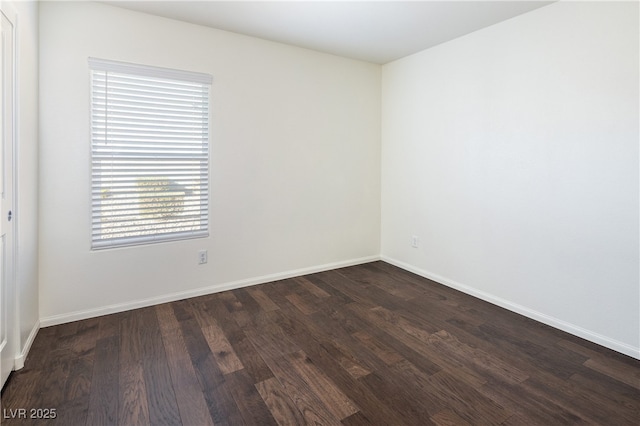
x=149, y=154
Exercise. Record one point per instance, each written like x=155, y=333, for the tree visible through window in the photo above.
x=150, y=154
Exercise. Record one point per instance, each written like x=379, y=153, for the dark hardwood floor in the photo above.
x=370, y=344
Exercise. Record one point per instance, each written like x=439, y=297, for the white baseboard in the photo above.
x=522, y=310
x=121, y=307
x=19, y=361
x=514, y=307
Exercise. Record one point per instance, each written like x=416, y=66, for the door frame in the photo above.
x=13, y=333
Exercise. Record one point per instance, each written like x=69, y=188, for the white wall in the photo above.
x=295, y=167
x=512, y=153
x=27, y=174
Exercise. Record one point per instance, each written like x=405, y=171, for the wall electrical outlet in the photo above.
x=415, y=241
x=202, y=257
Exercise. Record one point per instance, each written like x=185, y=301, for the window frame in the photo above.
x=148, y=197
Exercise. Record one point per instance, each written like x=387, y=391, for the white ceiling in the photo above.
x=373, y=31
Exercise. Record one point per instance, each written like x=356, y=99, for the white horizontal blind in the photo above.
x=150, y=154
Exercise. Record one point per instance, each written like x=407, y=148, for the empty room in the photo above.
x=320, y=212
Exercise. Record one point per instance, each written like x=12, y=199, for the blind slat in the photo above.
x=114, y=77
x=142, y=206
x=144, y=86
x=149, y=155
x=127, y=225
x=148, y=239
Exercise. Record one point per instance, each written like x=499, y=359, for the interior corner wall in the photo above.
x=295, y=161
x=512, y=153
x=26, y=207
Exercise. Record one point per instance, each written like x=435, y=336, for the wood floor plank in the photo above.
x=132, y=403
x=326, y=328
x=559, y=361
x=65, y=334
x=245, y=351
x=356, y=280
x=428, y=288
x=301, y=304
x=71, y=411
x=576, y=399
x=490, y=337
x=310, y=336
x=223, y=353
x=311, y=287
x=481, y=360
x=350, y=289
x=414, y=326
x=418, y=352
x=22, y=390
x=84, y=341
x=307, y=402
x=534, y=407
x=449, y=418
x=189, y=398
x=408, y=406
x=340, y=297
x=103, y=403
x=57, y=375
x=263, y=300
x=77, y=390
x=161, y=397
x=611, y=392
x=222, y=407
x=324, y=354
x=531, y=342
x=252, y=407
x=279, y=403
x=109, y=325
x=357, y=419
x=271, y=342
x=235, y=308
x=615, y=370
x=222, y=350
x=278, y=291
x=386, y=282
x=382, y=351
x=464, y=400
x=247, y=303
x=313, y=296
x=361, y=345
x=333, y=398
x=78, y=384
